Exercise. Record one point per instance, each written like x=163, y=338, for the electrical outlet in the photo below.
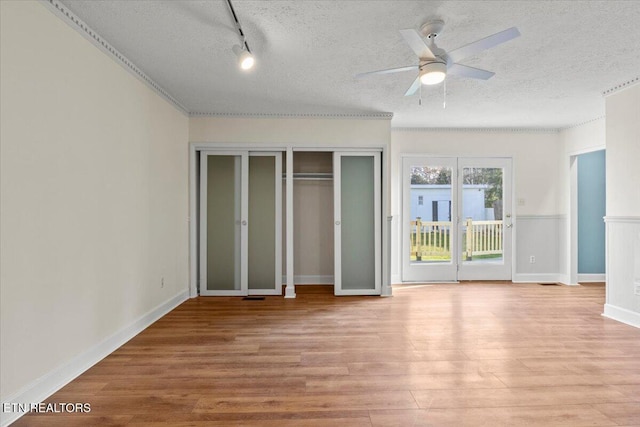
x=162, y=282
x=532, y=259
x=521, y=202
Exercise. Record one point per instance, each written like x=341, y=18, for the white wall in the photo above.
x=94, y=197
x=536, y=179
x=584, y=138
x=623, y=206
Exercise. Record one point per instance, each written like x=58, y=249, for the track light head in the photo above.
x=246, y=60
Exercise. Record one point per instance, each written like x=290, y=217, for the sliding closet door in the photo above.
x=223, y=216
x=265, y=224
x=240, y=223
x=357, y=217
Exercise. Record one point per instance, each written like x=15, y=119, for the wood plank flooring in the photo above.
x=471, y=354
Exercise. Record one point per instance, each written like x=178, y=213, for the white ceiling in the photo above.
x=308, y=52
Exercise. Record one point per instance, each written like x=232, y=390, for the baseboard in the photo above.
x=565, y=279
x=311, y=280
x=586, y=278
x=43, y=387
x=623, y=315
x=538, y=278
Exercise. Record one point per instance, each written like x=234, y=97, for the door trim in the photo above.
x=377, y=223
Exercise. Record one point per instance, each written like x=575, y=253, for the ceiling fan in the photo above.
x=435, y=64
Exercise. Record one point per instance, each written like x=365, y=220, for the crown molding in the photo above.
x=61, y=11
x=360, y=116
x=585, y=122
x=621, y=86
x=486, y=130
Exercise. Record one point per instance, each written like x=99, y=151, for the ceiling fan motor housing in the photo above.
x=432, y=29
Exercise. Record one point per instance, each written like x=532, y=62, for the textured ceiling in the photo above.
x=308, y=52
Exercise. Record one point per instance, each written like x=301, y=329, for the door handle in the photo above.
x=244, y=222
x=509, y=225
x=337, y=222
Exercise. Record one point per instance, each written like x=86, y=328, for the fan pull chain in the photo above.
x=420, y=97
x=444, y=97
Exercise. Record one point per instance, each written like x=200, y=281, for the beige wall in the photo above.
x=586, y=137
x=312, y=230
x=534, y=156
x=291, y=131
x=623, y=153
x=536, y=176
x=94, y=196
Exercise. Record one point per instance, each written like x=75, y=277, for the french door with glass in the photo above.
x=240, y=223
x=456, y=219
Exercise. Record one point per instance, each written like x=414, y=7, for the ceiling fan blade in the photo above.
x=466, y=71
x=388, y=71
x=413, y=88
x=417, y=44
x=483, y=44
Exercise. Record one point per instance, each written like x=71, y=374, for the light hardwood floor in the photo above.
x=471, y=354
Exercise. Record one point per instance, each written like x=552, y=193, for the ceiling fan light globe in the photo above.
x=433, y=73
x=432, y=78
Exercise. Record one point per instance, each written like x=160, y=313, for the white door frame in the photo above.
x=278, y=229
x=572, y=230
x=436, y=271
x=337, y=217
x=489, y=271
x=243, y=246
x=454, y=274
x=243, y=178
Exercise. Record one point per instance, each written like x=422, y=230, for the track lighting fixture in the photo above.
x=246, y=61
x=245, y=58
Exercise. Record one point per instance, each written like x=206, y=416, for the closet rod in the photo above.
x=310, y=176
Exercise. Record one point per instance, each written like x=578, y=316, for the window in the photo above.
x=420, y=200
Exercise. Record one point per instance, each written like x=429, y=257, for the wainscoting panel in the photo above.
x=623, y=269
x=538, y=236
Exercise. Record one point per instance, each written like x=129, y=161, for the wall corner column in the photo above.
x=290, y=290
